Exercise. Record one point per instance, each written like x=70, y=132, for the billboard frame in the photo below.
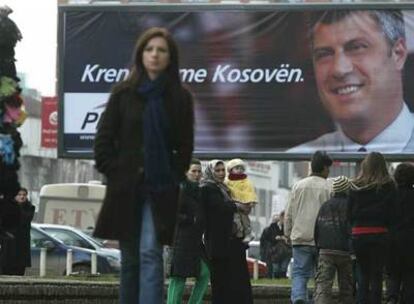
x=197, y=7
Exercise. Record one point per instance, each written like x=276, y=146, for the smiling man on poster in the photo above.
x=358, y=59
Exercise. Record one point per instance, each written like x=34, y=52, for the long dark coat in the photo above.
x=119, y=155
x=219, y=221
x=23, y=257
x=403, y=236
x=188, y=248
x=272, y=250
x=230, y=280
x=9, y=223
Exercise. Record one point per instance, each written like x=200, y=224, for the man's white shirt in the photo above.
x=393, y=139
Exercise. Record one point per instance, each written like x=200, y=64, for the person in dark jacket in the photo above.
x=274, y=249
x=332, y=238
x=9, y=223
x=371, y=213
x=267, y=243
x=188, y=252
x=20, y=256
x=143, y=146
x=230, y=280
x=400, y=287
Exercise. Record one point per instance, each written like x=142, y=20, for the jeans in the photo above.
x=304, y=263
x=142, y=274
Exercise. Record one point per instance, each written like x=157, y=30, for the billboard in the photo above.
x=269, y=82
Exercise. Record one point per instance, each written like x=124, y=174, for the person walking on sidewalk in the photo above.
x=371, y=213
x=143, y=146
x=400, y=285
x=306, y=198
x=230, y=279
x=332, y=237
x=22, y=258
x=188, y=257
x=274, y=249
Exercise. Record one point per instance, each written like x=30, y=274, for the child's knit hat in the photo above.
x=234, y=163
x=340, y=184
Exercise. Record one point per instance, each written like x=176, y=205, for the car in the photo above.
x=106, y=243
x=56, y=256
x=74, y=237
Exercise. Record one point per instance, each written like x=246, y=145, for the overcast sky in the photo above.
x=36, y=52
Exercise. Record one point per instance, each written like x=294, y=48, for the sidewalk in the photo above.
x=25, y=290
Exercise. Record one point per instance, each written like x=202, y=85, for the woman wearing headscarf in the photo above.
x=20, y=257
x=230, y=280
x=143, y=146
x=371, y=213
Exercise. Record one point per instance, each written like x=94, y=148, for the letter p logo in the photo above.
x=90, y=117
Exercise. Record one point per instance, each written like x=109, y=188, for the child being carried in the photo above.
x=242, y=190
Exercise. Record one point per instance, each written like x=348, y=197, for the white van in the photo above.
x=72, y=204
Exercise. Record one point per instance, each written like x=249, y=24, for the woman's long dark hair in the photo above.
x=373, y=171
x=138, y=72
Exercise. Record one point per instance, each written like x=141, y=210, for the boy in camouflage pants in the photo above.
x=332, y=239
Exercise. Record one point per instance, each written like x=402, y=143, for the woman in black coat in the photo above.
x=143, y=146
x=9, y=224
x=20, y=256
x=230, y=280
x=188, y=252
x=274, y=249
x=400, y=287
x=371, y=213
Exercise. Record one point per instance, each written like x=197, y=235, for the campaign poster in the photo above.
x=268, y=81
x=49, y=122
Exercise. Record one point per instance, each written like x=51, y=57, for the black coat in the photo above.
x=119, y=156
x=23, y=257
x=219, y=221
x=332, y=227
x=230, y=281
x=404, y=227
x=9, y=223
x=188, y=248
x=272, y=250
x=372, y=206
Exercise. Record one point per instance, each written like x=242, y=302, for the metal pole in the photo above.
x=69, y=261
x=43, y=262
x=94, y=263
x=256, y=269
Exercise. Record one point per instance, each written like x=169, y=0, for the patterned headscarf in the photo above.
x=209, y=178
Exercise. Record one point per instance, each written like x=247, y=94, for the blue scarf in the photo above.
x=157, y=146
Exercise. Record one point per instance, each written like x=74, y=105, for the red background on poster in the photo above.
x=49, y=122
